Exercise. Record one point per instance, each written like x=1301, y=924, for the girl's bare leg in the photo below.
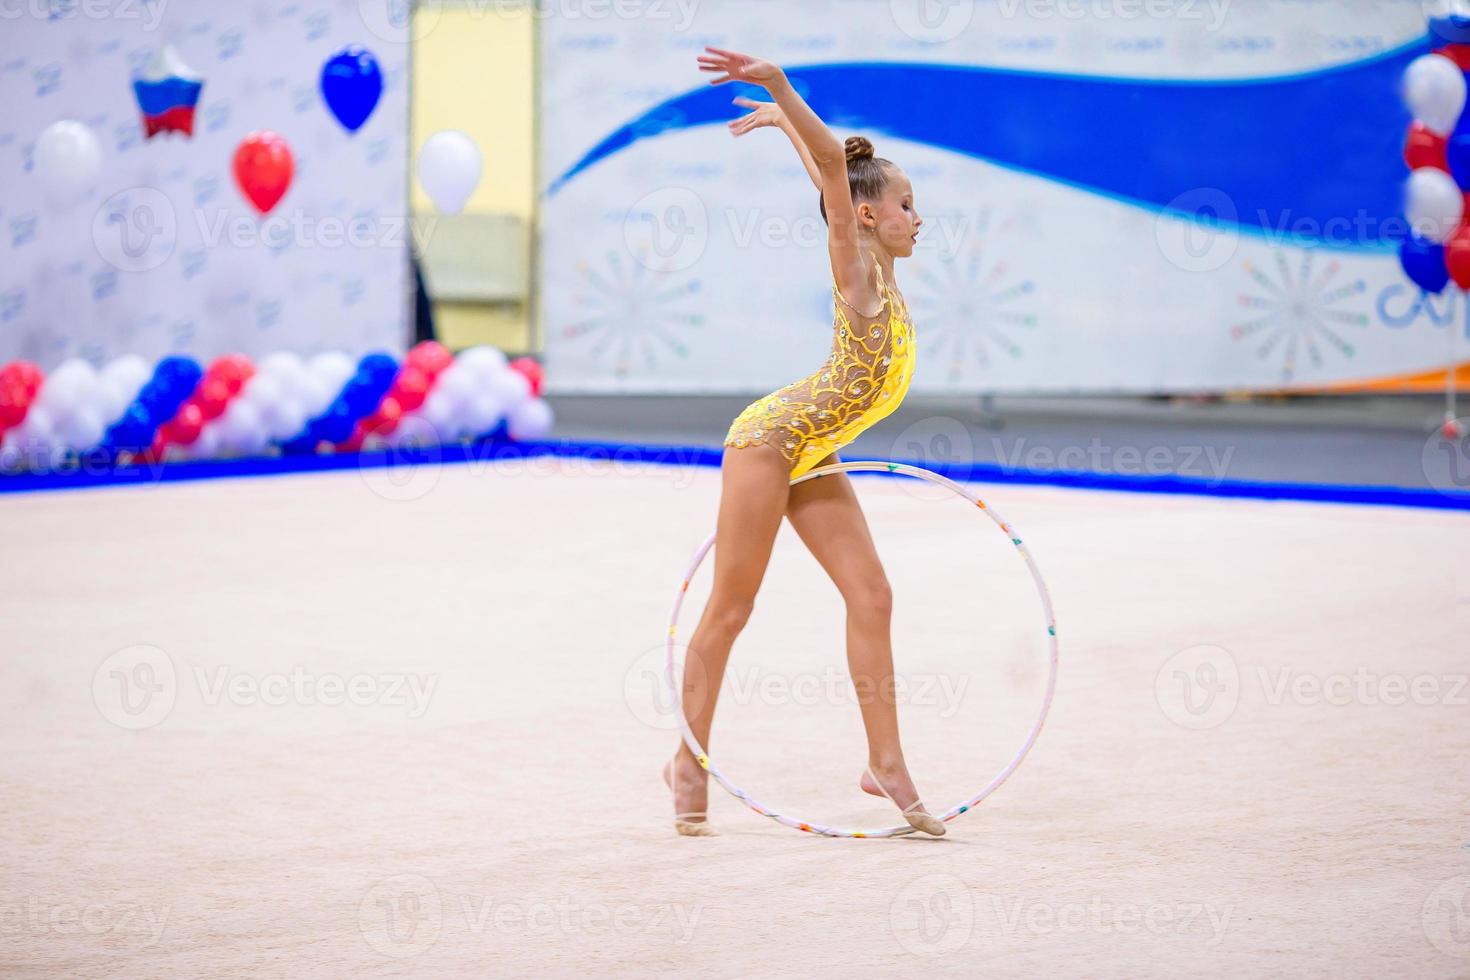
x=755, y=484
x=826, y=514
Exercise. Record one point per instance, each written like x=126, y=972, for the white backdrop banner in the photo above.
x=1160, y=195
x=163, y=254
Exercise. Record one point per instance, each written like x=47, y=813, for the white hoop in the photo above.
x=957, y=809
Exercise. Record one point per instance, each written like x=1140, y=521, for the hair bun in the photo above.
x=858, y=148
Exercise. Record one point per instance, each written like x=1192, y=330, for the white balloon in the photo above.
x=1433, y=203
x=70, y=384
x=483, y=361
x=36, y=440
x=415, y=430
x=531, y=420
x=67, y=161
x=241, y=429
x=450, y=167
x=438, y=412
x=282, y=420
x=314, y=393
x=263, y=389
x=282, y=363
x=456, y=385
x=482, y=414
x=127, y=375
x=73, y=370
x=1434, y=88
x=511, y=388
x=116, y=398
x=82, y=430
x=332, y=368
x=209, y=443
x=37, y=426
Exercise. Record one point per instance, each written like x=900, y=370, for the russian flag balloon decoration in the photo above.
x=168, y=94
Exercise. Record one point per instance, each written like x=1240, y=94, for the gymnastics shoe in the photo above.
x=683, y=822
x=926, y=822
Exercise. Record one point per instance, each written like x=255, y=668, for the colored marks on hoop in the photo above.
x=703, y=761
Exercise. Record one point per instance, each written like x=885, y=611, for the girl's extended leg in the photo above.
x=826, y=514
x=755, y=483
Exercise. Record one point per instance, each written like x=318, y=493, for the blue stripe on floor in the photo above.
x=492, y=449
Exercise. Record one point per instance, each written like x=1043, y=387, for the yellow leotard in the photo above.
x=862, y=381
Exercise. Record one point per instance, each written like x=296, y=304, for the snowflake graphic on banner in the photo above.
x=970, y=311
x=1299, y=313
x=632, y=314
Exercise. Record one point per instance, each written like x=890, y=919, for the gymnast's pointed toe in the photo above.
x=926, y=822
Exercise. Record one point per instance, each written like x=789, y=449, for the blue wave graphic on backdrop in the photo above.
x=1292, y=152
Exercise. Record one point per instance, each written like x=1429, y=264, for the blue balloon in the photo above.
x=379, y=365
x=360, y=399
x=1457, y=152
x=133, y=432
x=352, y=83
x=1452, y=28
x=338, y=423
x=157, y=401
x=183, y=371
x=1423, y=262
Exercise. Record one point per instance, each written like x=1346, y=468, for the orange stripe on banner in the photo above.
x=1429, y=381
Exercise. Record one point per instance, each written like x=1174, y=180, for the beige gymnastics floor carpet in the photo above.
x=359, y=725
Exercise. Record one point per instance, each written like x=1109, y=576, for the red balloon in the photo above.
x=1457, y=256
x=430, y=357
x=1458, y=53
x=212, y=397
x=184, y=428
x=354, y=441
x=24, y=373
x=1425, y=148
x=32, y=376
x=263, y=169
x=531, y=370
x=233, y=369
x=410, y=387
x=15, y=401
x=387, y=417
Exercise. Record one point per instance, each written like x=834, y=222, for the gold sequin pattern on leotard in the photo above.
x=862, y=381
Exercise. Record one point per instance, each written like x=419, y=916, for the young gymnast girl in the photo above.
x=868, y=205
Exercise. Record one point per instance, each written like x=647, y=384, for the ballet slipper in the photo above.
x=926, y=822
x=683, y=825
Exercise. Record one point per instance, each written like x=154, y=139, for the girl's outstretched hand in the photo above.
x=764, y=114
x=730, y=66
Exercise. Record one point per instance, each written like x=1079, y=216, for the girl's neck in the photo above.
x=884, y=260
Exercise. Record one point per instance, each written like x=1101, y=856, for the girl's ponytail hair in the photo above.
x=867, y=175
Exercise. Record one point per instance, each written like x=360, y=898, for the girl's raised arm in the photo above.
x=770, y=114
x=849, y=263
